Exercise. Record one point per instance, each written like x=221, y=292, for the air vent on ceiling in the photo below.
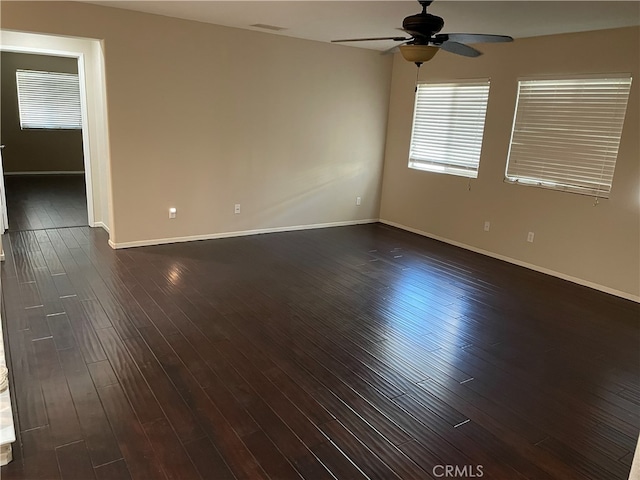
x=268, y=27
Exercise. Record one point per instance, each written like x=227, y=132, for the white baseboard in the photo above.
x=80, y=172
x=101, y=225
x=241, y=233
x=530, y=266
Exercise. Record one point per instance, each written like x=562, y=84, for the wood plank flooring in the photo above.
x=342, y=353
x=36, y=202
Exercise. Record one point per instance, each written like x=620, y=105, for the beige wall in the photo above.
x=35, y=150
x=598, y=245
x=202, y=117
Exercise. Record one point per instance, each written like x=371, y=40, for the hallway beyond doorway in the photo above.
x=36, y=202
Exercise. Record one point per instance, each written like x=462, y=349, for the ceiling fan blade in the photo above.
x=460, y=49
x=474, y=38
x=395, y=39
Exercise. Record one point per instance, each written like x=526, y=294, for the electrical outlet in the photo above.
x=358, y=201
x=236, y=209
x=530, y=237
x=172, y=212
x=487, y=225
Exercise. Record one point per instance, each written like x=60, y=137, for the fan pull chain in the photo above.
x=469, y=187
x=597, y=202
x=415, y=90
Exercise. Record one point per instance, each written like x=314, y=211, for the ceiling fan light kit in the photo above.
x=418, y=54
x=425, y=40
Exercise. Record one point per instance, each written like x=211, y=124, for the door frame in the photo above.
x=95, y=144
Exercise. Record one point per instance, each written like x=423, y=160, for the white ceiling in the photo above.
x=327, y=20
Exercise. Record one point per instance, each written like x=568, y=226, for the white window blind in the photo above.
x=48, y=100
x=566, y=133
x=448, y=126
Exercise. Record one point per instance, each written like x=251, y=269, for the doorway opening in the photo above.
x=73, y=189
x=43, y=158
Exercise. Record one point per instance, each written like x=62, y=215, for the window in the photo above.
x=448, y=125
x=566, y=133
x=48, y=100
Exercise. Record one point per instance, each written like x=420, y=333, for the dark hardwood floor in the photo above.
x=36, y=202
x=353, y=352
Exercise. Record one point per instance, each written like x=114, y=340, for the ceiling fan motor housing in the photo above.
x=423, y=24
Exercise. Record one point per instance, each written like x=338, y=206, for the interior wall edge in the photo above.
x=520, y=263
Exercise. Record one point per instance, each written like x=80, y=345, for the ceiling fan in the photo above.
x=425, y=41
